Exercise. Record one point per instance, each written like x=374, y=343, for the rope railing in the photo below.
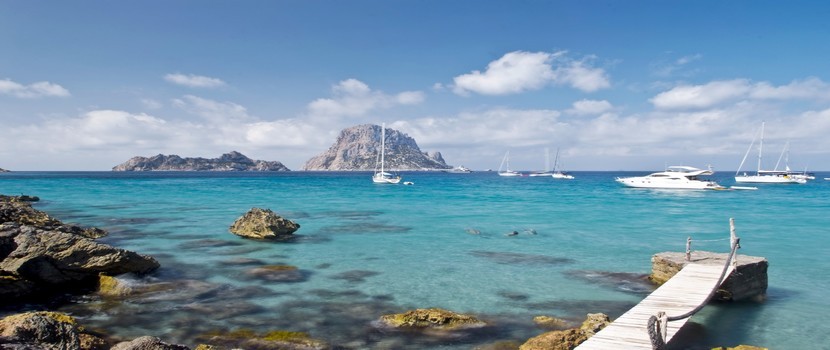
x=658, y=324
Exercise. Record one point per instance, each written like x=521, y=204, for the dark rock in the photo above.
x=233, y=161
x=52, y=259
x=39, y=330
x=17, y=210
x=358, y=147
x=263, y=224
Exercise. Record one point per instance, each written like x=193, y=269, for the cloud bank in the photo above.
x=34, y=90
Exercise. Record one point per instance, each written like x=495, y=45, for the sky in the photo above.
x=611, y=85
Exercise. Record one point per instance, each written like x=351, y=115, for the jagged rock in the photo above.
x=568, y=339
x=3, y=170
x=433, y=318
x=39, y=330
x=358, y=148
x=52, y=259
x=263, y=224
x=147, y=343
x=233, y=161
x=17, y=209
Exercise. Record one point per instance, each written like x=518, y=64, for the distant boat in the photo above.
x=505, y=171
x=545, y=172
x=559, y=174
x=459, y=170
x=765, y=176
x=382, y=177
x=674, y=177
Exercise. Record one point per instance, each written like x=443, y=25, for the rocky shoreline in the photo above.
x=43, y=259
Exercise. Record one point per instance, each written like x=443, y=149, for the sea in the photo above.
x=503, y=249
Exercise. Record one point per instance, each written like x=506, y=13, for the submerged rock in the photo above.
x=276, y=340
x=569, y=338
x=263, y=224
x=147, y=343
x=551, y=322
x=433, y=318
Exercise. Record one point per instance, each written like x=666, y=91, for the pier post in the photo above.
x=689, y=248
x=733, y=240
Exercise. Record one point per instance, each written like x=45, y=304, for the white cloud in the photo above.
x=811, y=88
x=720, y=92
x=513, y=73
x=583, y=77
x=701, y=96
x=521, y=71
x=38, y=89
x=592, y=107
x=151, y=103
x=192, y=80
x=352, y=98
x=212, y=110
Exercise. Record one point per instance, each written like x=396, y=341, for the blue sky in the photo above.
x=615, y=85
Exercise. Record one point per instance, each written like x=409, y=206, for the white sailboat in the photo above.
x=764, y=176
x=505, y=171
x=545, y=172
x=559, y=174
x=382, y=177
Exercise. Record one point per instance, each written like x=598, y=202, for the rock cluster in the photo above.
x=432, y=318
x=233, y=161
x=260, y=223
x=358, y=148
x=569, y=338
x=40, y=255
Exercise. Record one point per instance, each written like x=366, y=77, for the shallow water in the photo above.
x=365, y=250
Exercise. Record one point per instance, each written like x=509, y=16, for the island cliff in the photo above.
x=233, y=161
x=358, y=148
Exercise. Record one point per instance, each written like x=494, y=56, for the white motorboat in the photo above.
x=505, y=171
x=674, y=177
x=459, y=170
x=765, y=176
x=382, y=177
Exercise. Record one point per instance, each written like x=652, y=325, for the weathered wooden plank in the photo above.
x=680, y=294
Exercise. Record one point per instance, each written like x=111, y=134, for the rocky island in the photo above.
x=3, y=170
x=358, y=147
x=233, y=161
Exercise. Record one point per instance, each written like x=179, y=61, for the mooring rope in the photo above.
x=657, y=324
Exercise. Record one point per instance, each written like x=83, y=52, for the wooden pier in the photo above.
x=680, y=294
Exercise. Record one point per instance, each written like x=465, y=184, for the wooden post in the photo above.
x=689, y=248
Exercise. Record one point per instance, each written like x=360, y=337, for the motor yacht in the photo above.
x=674, y=177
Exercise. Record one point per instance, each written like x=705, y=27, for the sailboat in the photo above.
x=382, y=177
x=559, y=174
x=545, y=172
x=765, y=176
x=507, y=171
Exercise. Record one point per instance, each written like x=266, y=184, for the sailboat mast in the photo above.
x=382, y=145
x=760, y=146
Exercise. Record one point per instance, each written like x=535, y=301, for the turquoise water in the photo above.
x=365, y=250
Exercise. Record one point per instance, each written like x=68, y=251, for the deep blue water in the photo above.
x=365, y=250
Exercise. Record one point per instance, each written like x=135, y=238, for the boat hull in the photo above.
x=762, y=179
x=644, y=182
